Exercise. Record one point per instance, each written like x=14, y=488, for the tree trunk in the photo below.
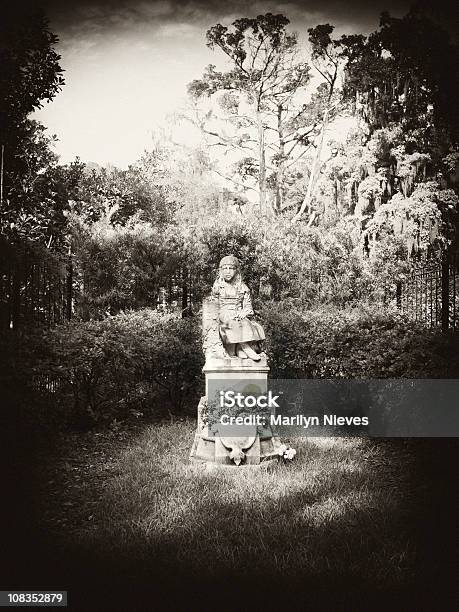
x=306, y=204
x=69, y=289
x=281, y=166
x=262, y=162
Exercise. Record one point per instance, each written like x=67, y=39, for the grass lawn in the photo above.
x=334, y=521
x=119, y=518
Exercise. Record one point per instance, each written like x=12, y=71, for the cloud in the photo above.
x=106, y=15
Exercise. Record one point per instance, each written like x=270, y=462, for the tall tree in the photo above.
x=261, y=87
x=29, y=67
x=397, y=174
x=405, y=71
x=29, y=74
x=326, y=60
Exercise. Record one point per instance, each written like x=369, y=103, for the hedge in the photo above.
x=149, y=362
x=360, y=342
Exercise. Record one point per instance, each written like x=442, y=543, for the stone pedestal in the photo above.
x=236, y=369
x=255, y=446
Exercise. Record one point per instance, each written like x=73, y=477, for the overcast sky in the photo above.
x=128, y=63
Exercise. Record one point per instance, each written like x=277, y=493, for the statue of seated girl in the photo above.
x=239, y=334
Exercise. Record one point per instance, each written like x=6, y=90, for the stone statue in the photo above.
x=239, y=335
x=233, y=361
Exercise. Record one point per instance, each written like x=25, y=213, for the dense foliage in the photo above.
x=150, y=364
x=329, y=238
x=114, y=368
x=360, y=342
x=347, y=218
x=35, y=191
x=140, y=264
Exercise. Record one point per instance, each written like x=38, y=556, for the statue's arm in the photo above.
x=247, y=309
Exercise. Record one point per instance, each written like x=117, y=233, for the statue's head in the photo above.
x=229, y=268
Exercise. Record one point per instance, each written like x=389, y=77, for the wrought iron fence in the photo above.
x=35, y=287
x=431, y=292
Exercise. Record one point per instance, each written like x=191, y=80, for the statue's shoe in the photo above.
x=241, y=354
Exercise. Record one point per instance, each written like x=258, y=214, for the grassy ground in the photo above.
x=122, y=518
x=336, y=515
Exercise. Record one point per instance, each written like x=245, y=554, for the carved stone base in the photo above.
x=257, y=446
x=212, y=450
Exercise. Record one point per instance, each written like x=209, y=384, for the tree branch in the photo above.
x=229, y=178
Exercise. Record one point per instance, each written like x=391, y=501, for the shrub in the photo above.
x=363, y=342
x=140, y=360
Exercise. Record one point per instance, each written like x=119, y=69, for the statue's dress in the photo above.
x=234, y=299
